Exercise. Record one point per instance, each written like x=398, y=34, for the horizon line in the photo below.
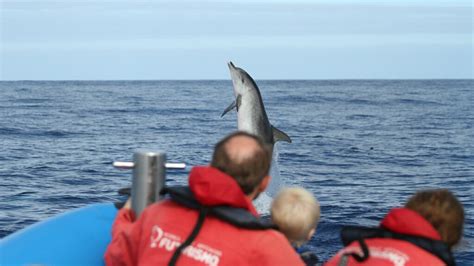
x=277, y=79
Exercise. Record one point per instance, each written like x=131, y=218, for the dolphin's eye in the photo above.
x=243, y=81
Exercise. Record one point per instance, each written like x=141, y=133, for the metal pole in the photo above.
x=148, y=178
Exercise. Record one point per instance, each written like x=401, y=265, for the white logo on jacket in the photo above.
x=395, y=256
x=169, y=242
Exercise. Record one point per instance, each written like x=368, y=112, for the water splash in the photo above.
x=275, y=183
x=263, y=202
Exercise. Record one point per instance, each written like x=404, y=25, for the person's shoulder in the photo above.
x=161, y=205
x=162, y=208
x=273, y=248
x=275, y=235
x=254, y=239
x=385, y=251
x=273, y=240
x=267, y=235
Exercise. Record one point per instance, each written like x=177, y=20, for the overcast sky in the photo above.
x=109, y=40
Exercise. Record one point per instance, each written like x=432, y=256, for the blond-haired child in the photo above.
x=296, y=212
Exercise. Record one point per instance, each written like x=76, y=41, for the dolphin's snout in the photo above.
x=231, y=65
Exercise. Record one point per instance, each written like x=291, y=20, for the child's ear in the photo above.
x=311, y=233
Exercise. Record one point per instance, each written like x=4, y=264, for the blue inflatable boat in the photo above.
x=77, y=237
x=81, y=236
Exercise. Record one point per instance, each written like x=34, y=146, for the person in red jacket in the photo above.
x=421, y=233
x=212, y=222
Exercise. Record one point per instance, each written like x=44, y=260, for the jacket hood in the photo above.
x=211, y=187
x=406, y=221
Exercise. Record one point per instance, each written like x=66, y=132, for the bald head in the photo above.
x=244, y=157
x=241, y=148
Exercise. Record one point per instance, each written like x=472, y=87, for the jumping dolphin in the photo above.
x=251, y=115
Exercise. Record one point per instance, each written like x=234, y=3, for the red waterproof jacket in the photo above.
x=398, y=252
x=163, y=226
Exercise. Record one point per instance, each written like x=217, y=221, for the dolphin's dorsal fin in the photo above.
x=279, y=135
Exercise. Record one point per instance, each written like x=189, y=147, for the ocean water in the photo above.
x=362, y=146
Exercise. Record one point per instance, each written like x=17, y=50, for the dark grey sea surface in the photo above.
x=362, y=147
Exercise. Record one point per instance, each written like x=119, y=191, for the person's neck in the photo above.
x=253, y=196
